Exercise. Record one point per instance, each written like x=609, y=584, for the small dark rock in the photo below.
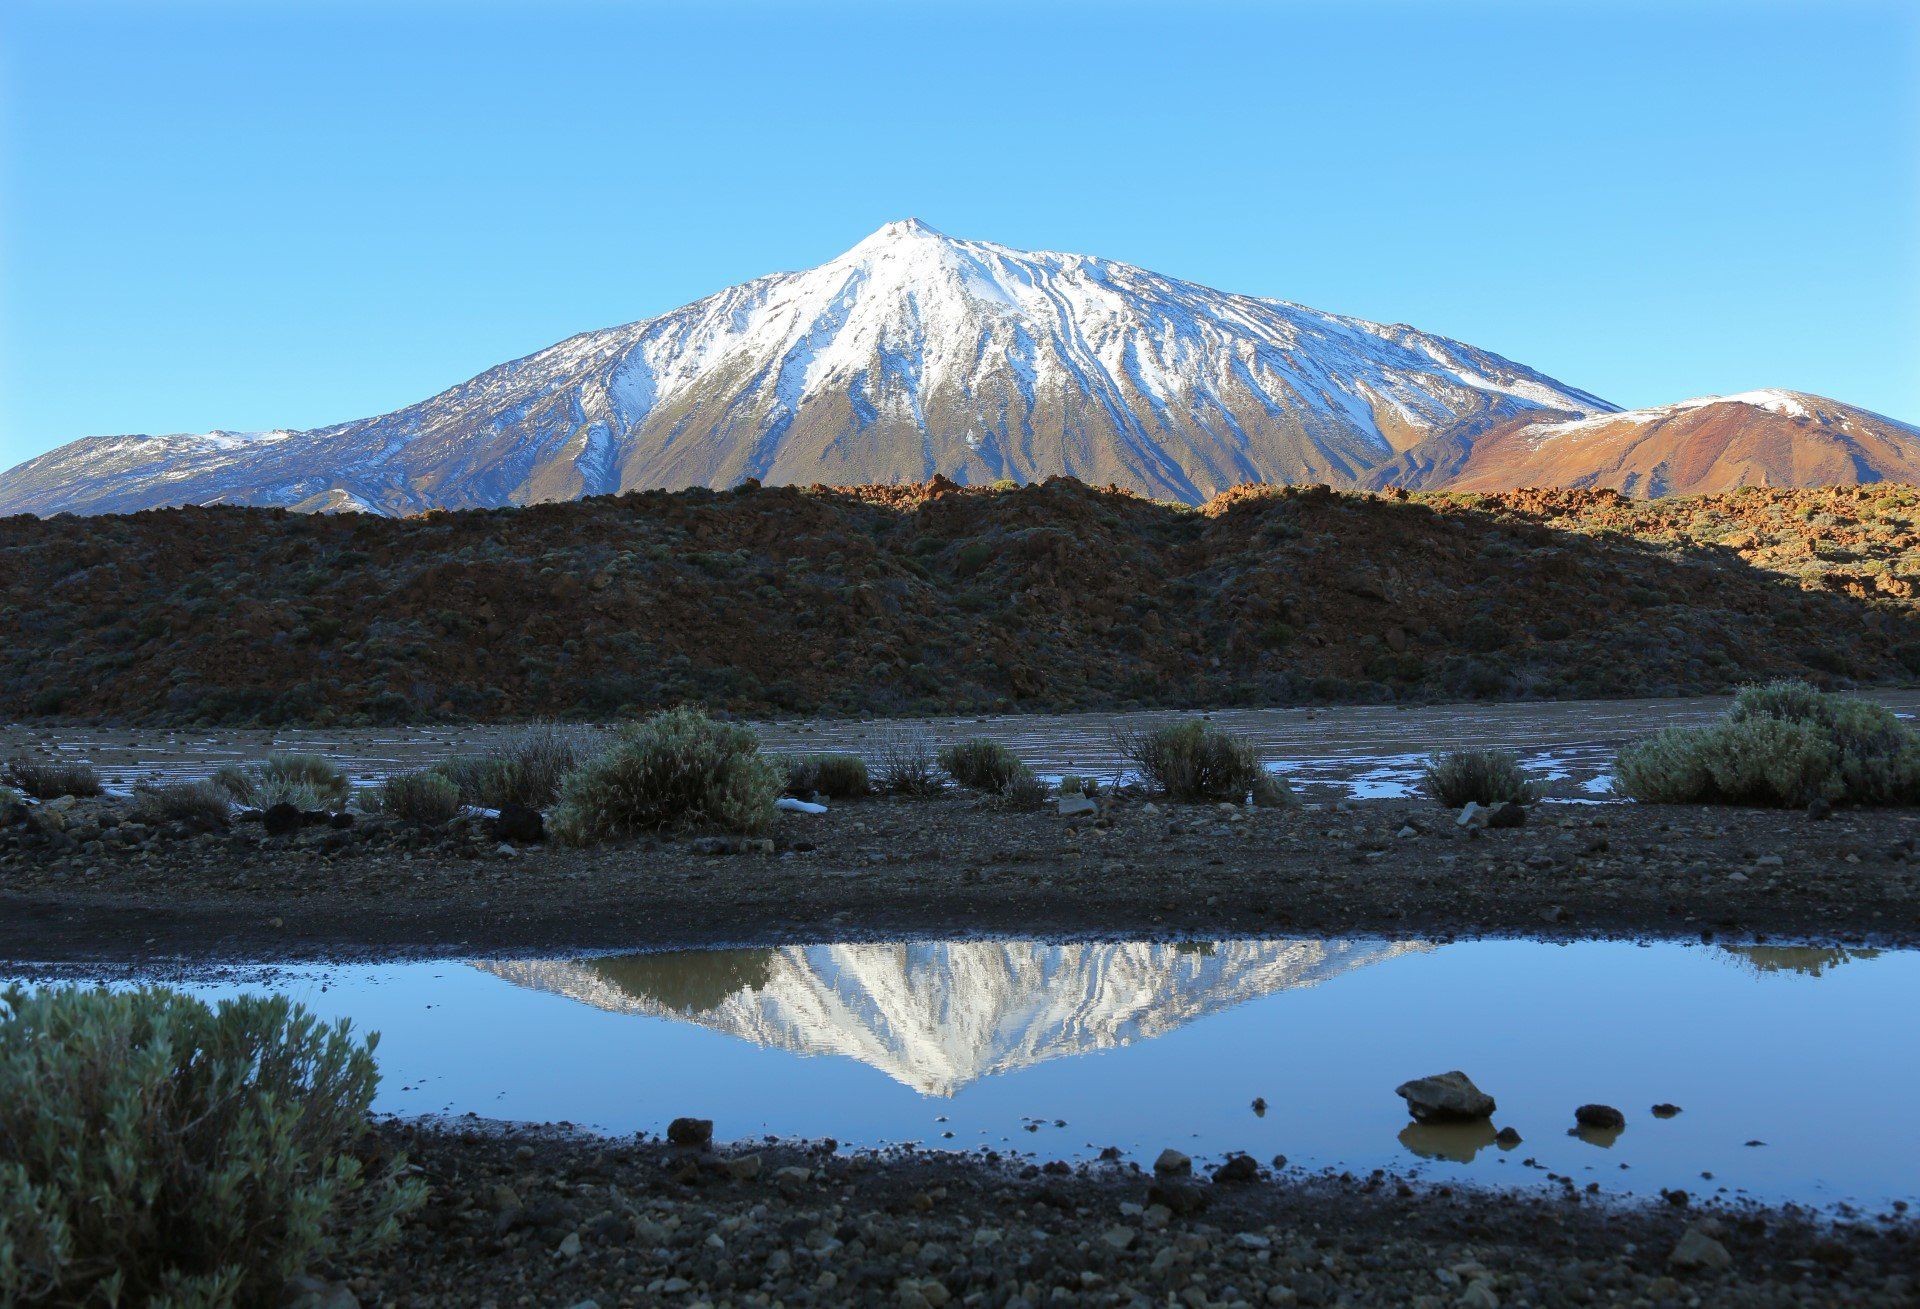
x=697, y=1132
x=1819, y=809
x=519, y=824
x=1506, y=1138
x=315, y=818
x=1602, y=1117
x=1664, y=1110
x=1507, y=814
x=1238, y=1170
x=340, y=822
x=1260, y=1106
x=1180, y=1197
x=280, y=819
x=713, y=845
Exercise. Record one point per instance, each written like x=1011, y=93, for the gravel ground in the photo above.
x=532, y=1218
x=954, y=865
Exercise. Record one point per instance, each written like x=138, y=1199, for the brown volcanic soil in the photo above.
x=882, y=869
x=934, y=599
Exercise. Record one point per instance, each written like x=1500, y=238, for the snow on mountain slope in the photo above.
x=912, y=354
x=938, y=1015
x=1695, y=447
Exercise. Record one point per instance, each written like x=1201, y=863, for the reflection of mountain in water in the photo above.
x=938, y=1015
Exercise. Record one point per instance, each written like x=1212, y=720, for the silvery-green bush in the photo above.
x=155, y=1151
x=205, y=805
x=835, y=776
x=305, y=781
x=1781, y=745
x=677, y=769
x=1196, y=760
x=1480, y=776
x=423, y=797
x=982, y=764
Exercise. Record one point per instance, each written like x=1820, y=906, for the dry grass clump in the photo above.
x=1782, y=745
x=1486, y=777
x=49, y=779
x=834, y=776
x=205, y=805
x=1195, y=760
x=305, y=781
x=526, y=769
x=425, y=797
x=676, y=769
x=908, y=766
x=156, y=1151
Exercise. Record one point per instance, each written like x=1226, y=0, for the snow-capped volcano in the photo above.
x=938, y=1015
x=913, y=353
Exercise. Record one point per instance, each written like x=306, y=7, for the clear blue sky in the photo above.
x=289, y=214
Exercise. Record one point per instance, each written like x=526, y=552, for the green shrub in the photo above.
x=1087, y=786
x=423, y=797
x=1781, y=745
x=908, y=766
x=981, y=764
x=835, y=776
x=676, y=769
x=205, y=805
x=237, y=781
x=1195, y=760
x=156, y=1151
x=47, y=779
x=1478, y=776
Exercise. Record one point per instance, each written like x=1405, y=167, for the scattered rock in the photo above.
x=280, y=819
x=1172, y=1163
x=713, y=845
x=1074, y=804
x=743, y=1167
x=694, y=1132
x=1507, y=814
x=1238, y=1170
x=1664, y=1110
x=1445, y=1097
x=1600, y=1117
x=1699, y=1252
x=1506, y=1138
x=1260, y=1106
x=1473, y=815
x=1819, y=809
x=1177, y=1196
x=519, y=824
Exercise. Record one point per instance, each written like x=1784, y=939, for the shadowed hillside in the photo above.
x=932, y=598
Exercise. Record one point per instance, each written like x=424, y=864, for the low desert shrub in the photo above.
x=305, y=781
x=835, y=776
x=205, y=805
x=908, y=765
x=982, y=765
x=1484, y=777
x=156, y=1151
x=525, y=769
x=423, y=797
x=1781, y=745
x=1195, y=760
x=288, y=777
x=49, y=779
x=1025, y=791
x=676, y=769
x=1087, y=786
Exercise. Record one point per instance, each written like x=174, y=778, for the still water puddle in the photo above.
x=1063, y=1049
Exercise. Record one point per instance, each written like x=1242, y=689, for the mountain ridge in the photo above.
x=910, y=355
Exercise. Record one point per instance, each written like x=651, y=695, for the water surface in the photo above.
x=1063, y=1049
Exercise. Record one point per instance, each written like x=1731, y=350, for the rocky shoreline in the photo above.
x=101, y=887
x=545, y=1217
